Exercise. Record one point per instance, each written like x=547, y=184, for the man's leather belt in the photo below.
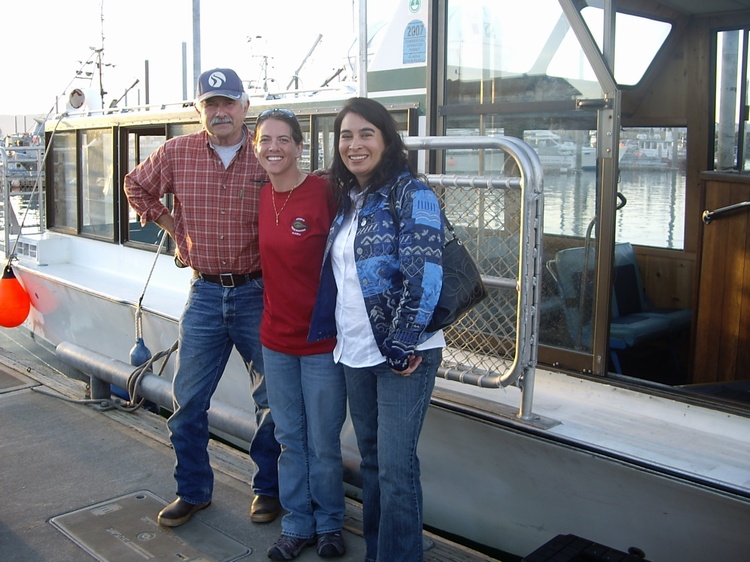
x=229, y=279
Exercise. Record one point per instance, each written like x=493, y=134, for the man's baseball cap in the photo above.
x=219, y=82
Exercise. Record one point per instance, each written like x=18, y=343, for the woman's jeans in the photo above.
x=308, y=397
x=215, y=320
x=388, y=411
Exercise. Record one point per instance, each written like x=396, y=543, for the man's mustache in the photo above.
x=220, y=120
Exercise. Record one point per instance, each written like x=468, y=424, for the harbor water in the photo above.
x=653, y=215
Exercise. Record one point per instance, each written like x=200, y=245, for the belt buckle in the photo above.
x=226, y=279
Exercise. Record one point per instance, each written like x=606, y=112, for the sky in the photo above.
x=46, y=43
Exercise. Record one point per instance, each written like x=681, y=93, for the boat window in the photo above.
x=97, y=181
x=637, y=40
x=525, y=85
x=324, y=140
x=144, y=146
x=304, y=161
x=63, y=171
x=502, y=80
x=731, y=142
x=141, y=144
x=492, y=57
x=652, y=183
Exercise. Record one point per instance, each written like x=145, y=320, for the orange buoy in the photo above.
x=14, y=300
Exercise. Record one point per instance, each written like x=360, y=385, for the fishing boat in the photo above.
x=559, y=155
x=652, y=149
x=601, y=391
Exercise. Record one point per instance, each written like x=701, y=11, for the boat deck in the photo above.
x=80, y=483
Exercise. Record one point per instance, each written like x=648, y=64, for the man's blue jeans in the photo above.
x=308, y=397
x=388, y=412
x=214, y=320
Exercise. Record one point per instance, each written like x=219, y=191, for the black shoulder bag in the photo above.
x=462, y=288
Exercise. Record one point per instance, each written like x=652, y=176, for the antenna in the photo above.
x=115, y=102
x=264, y=62
x=100, y=51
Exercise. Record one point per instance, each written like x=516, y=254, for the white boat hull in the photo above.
x=515, y=490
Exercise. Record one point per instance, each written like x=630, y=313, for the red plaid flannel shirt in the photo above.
x=215, y=209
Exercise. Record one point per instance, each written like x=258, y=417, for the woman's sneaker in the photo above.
x=286, y=547
x=330, y=545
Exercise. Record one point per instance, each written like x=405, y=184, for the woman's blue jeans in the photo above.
x=215, y=320
x=388, y=411
x=307, y=395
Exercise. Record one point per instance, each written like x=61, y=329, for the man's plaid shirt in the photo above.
x=215, y=209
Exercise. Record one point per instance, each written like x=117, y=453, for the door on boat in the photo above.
x=568, y=112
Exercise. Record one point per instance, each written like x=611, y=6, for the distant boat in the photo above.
x=652, y=150
x=558, y=155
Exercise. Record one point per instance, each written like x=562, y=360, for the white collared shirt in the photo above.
x=355, y=343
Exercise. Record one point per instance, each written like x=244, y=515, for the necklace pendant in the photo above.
x=276, y=211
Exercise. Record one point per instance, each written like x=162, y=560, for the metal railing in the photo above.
x=708, y=216
x=499, y=218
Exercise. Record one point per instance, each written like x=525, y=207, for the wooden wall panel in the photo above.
x=667, y=276
x=722, y=334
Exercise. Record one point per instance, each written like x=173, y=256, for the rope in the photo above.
x=104, y=403
x=139, y=308
x=135, y=378
x=132, y=386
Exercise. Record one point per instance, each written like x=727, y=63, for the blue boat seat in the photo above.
x=633, y=321
x=630, y=293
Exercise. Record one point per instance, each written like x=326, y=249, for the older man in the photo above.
x=215, y=181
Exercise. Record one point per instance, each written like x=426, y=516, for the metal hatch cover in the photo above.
x=124, y=529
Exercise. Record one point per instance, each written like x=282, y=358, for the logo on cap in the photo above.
x=216, y=79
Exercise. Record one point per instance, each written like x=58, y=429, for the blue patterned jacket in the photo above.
x=400, y=278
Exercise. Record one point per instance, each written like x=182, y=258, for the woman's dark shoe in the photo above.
x=287, y=548
x=264, y=509
x=331, y=545
x=179, y=512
